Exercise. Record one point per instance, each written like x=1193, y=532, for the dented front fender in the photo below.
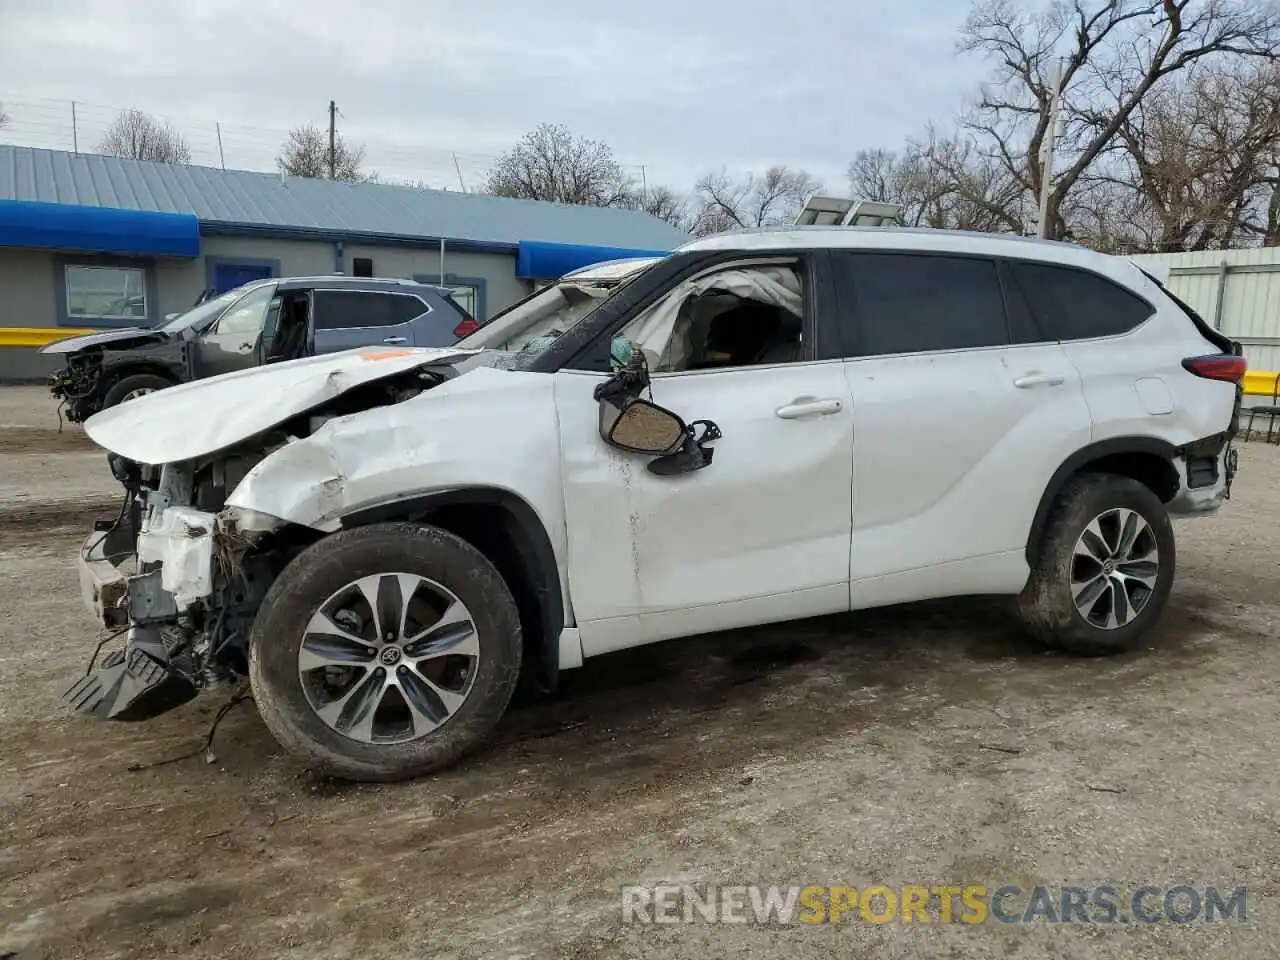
x=486, y=428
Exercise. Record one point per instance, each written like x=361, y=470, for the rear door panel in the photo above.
x=954, y=443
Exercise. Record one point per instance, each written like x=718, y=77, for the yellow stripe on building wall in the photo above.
x=38, y=336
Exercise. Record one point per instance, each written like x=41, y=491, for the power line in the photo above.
x=79, y=126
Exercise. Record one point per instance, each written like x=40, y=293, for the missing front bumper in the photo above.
x=154, y=672
x=137, y=683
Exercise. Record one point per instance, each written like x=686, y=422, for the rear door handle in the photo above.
x=809, y=407
x=393, y=339
x=1037, y=379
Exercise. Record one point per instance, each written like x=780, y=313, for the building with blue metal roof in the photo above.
x=94, y=241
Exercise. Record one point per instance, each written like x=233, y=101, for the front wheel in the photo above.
x=385, y=652
x=1104, y=568
x=131, y=387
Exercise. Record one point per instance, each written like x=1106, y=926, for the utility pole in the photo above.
x=1051, y=133
x=333, y=153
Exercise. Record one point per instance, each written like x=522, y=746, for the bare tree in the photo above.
x=941, y=182
x=136, y=135
x=1199, y=155
x=665, y=204
x=551, y=163
x=1115, y=53
x=727, y=203
x=306, y=154
x=4, y=116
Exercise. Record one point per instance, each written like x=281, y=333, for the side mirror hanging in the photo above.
x=643, y=427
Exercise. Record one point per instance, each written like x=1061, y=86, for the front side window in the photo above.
x=248, y=315
x=741, y=316
x=912, y=303
x=106, y=293
x=1076, y=305
x=351, y=309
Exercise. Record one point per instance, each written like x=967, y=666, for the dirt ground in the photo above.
x=919, y=745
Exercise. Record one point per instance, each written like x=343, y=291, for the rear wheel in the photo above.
x=136, y=385
x=1104, y=568
x=385, y=652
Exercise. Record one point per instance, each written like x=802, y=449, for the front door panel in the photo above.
x=761, y=534
x=235, y=339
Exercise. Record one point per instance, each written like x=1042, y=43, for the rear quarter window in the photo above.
x=1070, y=304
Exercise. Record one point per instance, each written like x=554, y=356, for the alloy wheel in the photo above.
x=1114, y=568
x=389, y=658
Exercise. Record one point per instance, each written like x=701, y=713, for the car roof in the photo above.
x=338, y=282
x=920, y=240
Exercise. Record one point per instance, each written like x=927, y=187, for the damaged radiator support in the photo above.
x=189, y=601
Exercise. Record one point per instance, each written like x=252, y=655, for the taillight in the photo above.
x=466, y=328
x=1218, y=366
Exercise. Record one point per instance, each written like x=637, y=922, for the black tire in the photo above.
x=1046, y=605
x=127, y=385
x=340, y=559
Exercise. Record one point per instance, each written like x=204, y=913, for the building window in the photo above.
x=362, y=267
x=106, y=293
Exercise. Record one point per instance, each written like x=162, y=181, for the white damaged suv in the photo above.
x=761, y=427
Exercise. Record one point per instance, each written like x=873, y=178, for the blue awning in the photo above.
x=84, y=229
x=536, y=260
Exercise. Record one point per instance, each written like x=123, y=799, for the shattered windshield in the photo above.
x=532, y=325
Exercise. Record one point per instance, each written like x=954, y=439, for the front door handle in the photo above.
x=1037, y=379
x=393, y=339
x=809, y=407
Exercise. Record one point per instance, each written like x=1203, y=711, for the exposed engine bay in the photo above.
x=184, y=575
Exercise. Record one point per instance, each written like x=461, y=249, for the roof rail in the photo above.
x=819, y=211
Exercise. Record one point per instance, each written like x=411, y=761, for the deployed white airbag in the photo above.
x=652, y=331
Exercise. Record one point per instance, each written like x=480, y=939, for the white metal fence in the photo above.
x=1238, y=291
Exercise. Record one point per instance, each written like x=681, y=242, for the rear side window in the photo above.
x=910, y=303
x=1078, y=305
x=345, y=309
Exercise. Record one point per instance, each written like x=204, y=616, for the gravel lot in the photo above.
x=919, y=745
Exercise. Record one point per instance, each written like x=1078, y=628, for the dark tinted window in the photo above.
x=342, y=309
x=908, y=303
x=1022, y=325
x=1076, y=305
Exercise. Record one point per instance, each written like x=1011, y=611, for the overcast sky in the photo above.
x=680, y=86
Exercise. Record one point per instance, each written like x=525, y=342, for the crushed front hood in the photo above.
x=204, y=416
x=117, y=338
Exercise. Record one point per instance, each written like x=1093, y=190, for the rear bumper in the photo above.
x=1205, y=497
